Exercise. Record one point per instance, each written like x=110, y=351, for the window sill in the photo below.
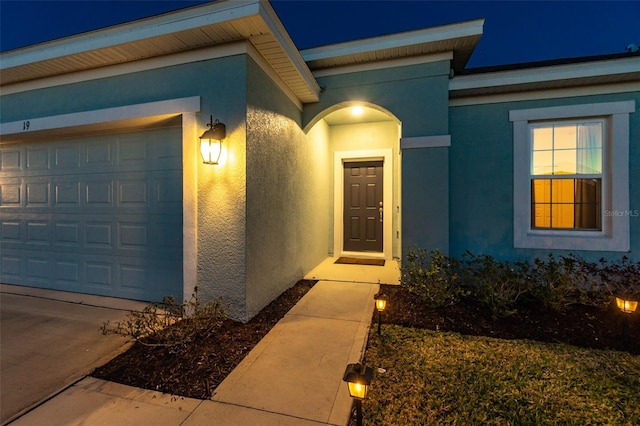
x=571, y=240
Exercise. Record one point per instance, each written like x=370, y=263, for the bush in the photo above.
x=620, y=279
x=432, y=276
x=501, y=286
x=169, y=323
x=497, y=285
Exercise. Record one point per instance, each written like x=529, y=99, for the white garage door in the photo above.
x=99, y=214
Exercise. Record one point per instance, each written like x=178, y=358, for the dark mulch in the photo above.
x=578, y=325
x=194, y=370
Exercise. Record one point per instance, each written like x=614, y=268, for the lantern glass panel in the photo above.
x=626, y=306
x=357, y=390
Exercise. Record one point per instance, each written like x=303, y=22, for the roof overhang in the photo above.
x=591, y=73
x=218, y=23
x=460, y=39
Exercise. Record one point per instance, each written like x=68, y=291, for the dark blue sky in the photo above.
x=515, y=31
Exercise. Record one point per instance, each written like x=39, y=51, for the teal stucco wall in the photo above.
x=481, y=178
x=287, y=194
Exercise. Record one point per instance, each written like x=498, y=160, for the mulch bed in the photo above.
x=578, y=325
x=194, y=370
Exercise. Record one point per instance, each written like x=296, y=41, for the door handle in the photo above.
x=380, y=210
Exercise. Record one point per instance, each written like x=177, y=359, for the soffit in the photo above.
x=461, y=39
x=213, y=24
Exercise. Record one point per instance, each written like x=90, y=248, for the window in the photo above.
x=566, y=175
x=571, y=173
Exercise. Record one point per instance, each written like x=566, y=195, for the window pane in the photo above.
x=542, y=138
x=542, y=163
x=564, y=137
x=562, y=191
x=562, y=216
x=589, y=154
x=588, y=204
x=566, y=203
x=564, y=162
x=541, y=190
x=541, y=216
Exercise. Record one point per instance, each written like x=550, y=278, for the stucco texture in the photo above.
x=286, y=222
x=481, y=175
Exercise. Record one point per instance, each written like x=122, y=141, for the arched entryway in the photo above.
x=362, y=140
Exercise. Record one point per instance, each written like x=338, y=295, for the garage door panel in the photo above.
x=132, y=193
x=67, y=157
x=39, y=267
x=37, y=193
x=11, y=231
x=11, y=159
x=100, y=274
x=99, y=154
x=38, y=233
x=99, y=214
x=68, y=271
x=10, y=193
x=37, y=158
x=67, y=233
x=11, y=266
x=66, y=193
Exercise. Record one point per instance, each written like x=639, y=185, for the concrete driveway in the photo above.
x=49, y=340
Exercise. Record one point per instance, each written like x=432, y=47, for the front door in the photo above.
x=363, y=206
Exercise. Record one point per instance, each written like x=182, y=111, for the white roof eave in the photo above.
x=542, y=75
x=427, y=35
x=132, y=31
x=222, y=12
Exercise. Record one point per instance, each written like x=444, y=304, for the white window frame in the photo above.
x=615, y=233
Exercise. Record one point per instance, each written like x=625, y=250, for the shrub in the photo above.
x=497, y=285
x=432, y=276
x=556, y=282
x=169, y=323
x=620, y=279
x=501, y=286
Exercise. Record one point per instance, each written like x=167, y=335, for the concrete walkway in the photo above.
x=292, y=377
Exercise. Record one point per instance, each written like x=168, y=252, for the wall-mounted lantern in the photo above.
x=211, y=142
x=381, y=304
x=358, y=378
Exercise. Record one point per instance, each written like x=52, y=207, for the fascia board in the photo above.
x=427, y=35
x=280, y=33
x=538, y=75
x=221, y=11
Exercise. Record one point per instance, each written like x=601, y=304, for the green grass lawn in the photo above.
x=424, y=377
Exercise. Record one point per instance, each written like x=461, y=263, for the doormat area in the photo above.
x=356, y=261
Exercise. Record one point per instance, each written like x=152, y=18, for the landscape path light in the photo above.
x=381, y=304
x=358, y=378
x=628, y=307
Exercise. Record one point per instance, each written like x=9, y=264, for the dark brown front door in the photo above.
x=363, y=206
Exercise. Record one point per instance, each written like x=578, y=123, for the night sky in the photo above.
x=514, y=31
